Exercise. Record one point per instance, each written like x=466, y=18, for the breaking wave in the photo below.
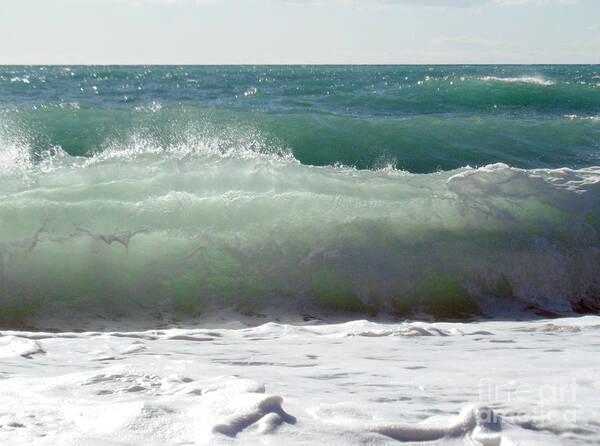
x=219, y=225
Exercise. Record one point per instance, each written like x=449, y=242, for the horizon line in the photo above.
x=289, y=64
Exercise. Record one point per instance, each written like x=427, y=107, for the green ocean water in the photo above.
x=392, y=191
x=419, y=119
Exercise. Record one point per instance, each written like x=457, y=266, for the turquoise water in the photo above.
x=419, y=119
x=330, y=190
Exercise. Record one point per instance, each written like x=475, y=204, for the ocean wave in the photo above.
x=590, y=118
x=22, y=154
x=534, y=80
x=419, y=144
x=158, y=235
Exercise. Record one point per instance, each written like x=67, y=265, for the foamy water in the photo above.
x=483, y=383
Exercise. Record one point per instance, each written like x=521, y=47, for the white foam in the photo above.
x=583, y=118
x=154, y=107
x=474, y=421
x=264, y=409
x=304, y=385
x=13, y=346
x=534, y=80
x=198, y=143
x=24, y=79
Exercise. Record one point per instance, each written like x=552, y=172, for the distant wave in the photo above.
x=522, y=79
x=590, y=118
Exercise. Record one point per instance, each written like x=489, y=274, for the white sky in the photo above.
x=298, y=31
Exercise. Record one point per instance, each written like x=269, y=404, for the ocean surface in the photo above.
x=174, y=192
x=300, y=255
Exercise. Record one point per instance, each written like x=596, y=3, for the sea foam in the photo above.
x=521, y=79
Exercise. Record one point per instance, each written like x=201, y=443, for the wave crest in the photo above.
x=534, y=80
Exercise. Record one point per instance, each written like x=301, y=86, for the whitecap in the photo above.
x=535, y=80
